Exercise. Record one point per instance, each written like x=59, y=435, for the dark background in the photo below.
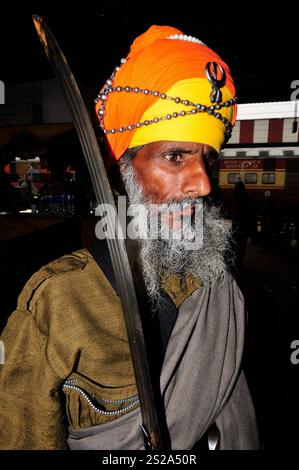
x=259, y=40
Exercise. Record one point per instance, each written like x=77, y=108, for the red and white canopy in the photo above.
x=266, y=123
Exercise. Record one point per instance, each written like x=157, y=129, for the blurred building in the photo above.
x=38, y=102
x=263, y=152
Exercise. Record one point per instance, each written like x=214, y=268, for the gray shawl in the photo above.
x=201, y=381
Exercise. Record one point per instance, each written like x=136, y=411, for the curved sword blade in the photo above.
x=116, y=246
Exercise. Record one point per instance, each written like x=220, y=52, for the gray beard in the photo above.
x=156, y=257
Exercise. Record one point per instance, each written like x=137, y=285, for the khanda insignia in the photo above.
x=212, y=70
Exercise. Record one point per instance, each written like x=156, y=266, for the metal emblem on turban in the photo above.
x=212, y=70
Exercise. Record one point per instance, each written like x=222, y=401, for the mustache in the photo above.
x=176, y=201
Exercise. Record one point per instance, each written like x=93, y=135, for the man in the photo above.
x=68, y=380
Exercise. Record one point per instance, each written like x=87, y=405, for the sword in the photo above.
x=150, y=425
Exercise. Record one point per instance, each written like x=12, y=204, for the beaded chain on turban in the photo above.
x=212, y=70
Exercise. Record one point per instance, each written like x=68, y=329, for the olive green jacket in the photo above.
x=68, y=363
x=66, y=326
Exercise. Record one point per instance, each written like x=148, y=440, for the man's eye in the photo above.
x=174, y=157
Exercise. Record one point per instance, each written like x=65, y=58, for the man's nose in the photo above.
x=196, y=181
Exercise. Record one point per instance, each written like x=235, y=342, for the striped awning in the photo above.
x=264, y=131
x=260, y=152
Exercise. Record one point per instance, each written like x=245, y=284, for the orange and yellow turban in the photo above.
x=159, y=78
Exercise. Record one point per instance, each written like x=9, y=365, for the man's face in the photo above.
x=169, y=170
x=169, y=179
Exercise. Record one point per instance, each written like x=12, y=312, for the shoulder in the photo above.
x=69, y=291
x=55, y=276
x=227, y=288
x=225, y=281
